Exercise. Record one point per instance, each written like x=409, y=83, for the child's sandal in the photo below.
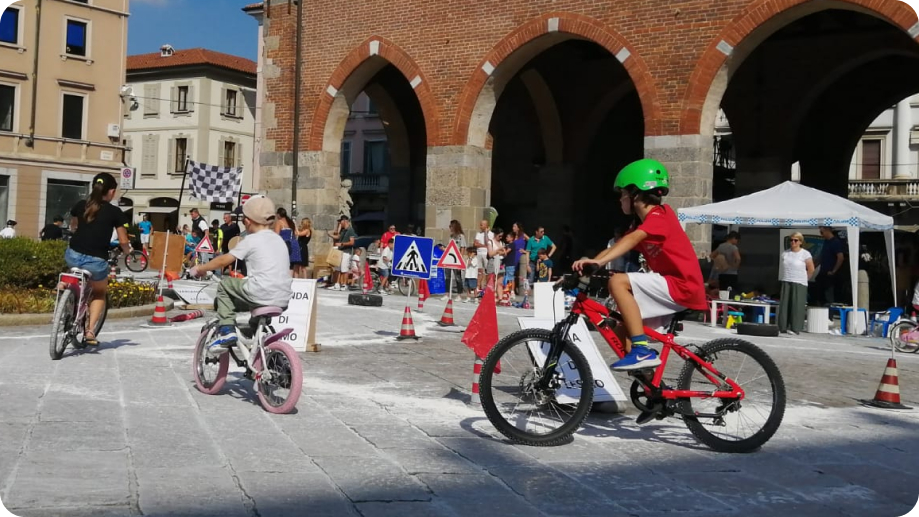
x=89, y=339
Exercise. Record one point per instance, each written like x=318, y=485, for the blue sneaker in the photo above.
x=226, y=338
x=639, y=358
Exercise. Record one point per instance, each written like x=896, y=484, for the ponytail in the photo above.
x=102, y=183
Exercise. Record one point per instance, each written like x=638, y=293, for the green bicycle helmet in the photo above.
x=644, y=175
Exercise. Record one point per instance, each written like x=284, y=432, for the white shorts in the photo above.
x=482, y=256
x=145, y=238
x=345, y=265
x=653, y=298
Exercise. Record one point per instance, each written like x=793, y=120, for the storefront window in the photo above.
x=62, y=195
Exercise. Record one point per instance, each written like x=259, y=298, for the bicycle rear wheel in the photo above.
x=281, y=381
x=741, y=425
x=210, y=373
x=62, y=324
x=136, y=261
x=897, y=335
x=524, y=412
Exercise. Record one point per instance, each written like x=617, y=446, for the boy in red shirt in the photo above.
x=676, y=281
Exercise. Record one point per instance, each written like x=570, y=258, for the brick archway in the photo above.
x=372, y=47
x=577, y=25
x=699, y=103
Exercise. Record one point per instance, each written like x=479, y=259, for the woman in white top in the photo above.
x=797, y=268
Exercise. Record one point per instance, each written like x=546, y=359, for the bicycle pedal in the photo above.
x=647, y=416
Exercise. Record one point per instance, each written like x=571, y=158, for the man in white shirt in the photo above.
x=484, y=240
x=10, y=231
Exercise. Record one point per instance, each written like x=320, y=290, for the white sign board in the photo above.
x=605, y=387
x=195, y=292
x=547, y=303
x=126, y=178
x=300, y=314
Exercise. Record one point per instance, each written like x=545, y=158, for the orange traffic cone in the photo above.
x=187, y=316
x=408, y=327
x=888, y=394
x=422, y=294
x=447, y=319
x=159, y=313
x=476, y=371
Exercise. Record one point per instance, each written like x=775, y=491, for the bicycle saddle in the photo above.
x=267, y=311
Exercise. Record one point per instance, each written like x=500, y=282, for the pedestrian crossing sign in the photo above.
x=452, y=258
x=205, y=245
x=412, y=256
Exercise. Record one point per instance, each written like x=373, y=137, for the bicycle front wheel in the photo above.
x=136, y=261
x=898, y=336
x=281, y=380
x=731, y=425
x=61, y=326
x=407, y=286
x=521, y=410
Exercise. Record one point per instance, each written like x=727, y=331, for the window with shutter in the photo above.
x=181, y=150
x=239, y=155
x=151, y=99
x=182, y=99
x=871, y=159
x=173, y=99
x=190, y=99
x=229, y=154
x=150, y=152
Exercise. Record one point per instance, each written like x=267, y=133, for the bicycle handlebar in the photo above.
x=573, y=281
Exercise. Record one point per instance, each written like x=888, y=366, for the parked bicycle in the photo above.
x=269, y=362
x=901, y=334
x=71, y=312
x=545, y=387
x=137, y=261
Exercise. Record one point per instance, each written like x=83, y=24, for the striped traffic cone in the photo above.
x=476, y=371
x=447, y=319
x=888, y=394
x=187, y=316
x=408, y=326
x=422, y=294
x=159, y=313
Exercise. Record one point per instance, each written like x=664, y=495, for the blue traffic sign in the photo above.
x=412, y=256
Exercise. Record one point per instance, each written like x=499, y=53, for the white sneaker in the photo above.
x=792, y=333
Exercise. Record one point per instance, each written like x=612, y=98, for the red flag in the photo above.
x=368, y=280
x=482, y=332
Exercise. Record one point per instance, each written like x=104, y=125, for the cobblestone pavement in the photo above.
x=384, y=429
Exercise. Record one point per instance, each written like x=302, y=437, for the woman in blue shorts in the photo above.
x=94, y=219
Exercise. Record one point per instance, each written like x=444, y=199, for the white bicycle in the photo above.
x=270, y=363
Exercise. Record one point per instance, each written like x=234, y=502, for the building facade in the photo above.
x=62, y=66
x=532, y=110
x=192, y=104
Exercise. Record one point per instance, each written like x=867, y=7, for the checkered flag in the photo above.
x=214, y=184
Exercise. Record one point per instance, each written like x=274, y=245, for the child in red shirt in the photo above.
x=676, y=281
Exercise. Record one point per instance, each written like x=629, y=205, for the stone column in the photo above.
x=902, y=127
x=689, y=159
x=458, y=186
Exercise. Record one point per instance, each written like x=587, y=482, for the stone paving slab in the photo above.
x=69, y=478
x=192, y=491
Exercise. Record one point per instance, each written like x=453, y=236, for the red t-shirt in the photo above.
x=669, y=253
x=388, y=236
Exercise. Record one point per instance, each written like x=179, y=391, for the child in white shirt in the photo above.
x=355, y=268
x=384, y=266
x=472, y=274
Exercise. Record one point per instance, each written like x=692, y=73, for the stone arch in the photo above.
x=709, y=79
x=550, y=123
x=479, y=97
x=350, y=77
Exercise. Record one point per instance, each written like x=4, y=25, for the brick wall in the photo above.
x=672, y=49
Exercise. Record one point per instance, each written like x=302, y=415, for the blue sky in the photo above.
x=213, y=24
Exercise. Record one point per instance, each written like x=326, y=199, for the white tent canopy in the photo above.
x=790, y=205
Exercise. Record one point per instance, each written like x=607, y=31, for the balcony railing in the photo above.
x=884, y=189
x=374, y=183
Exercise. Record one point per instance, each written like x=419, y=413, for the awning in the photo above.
x=155, y=209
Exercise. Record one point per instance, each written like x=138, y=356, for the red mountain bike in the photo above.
x=535, y=399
